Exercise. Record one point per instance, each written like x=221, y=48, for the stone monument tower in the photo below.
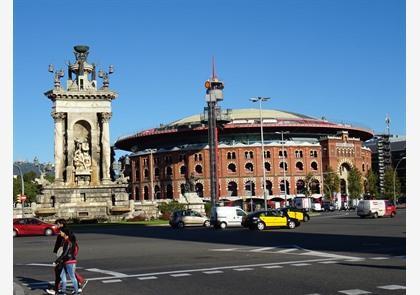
x=82, y=188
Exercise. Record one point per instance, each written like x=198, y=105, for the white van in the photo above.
x=222, y=217
x=375, y=208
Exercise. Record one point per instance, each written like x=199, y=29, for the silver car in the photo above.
x=182, y=218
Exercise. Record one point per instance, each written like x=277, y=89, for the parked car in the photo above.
x=269, y=218
x=182, y=218
x=33, y=226
x=376, y=208
x=226, y=216
x=328, y=206
x=299, y=214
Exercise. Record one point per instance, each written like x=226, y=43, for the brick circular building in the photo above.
x=166, y=159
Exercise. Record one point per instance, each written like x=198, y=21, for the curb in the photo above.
x=18, y=289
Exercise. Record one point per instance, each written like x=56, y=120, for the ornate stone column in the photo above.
x=59, y=156
x=106, y=151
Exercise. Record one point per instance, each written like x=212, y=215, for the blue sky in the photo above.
x=344, y=60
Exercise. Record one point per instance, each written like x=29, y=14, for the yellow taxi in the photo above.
x=269, y=218
x=296, y=213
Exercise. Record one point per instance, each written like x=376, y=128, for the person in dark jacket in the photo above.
x=58, y=249
x=68, y=258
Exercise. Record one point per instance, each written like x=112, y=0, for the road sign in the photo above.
x=22, y=198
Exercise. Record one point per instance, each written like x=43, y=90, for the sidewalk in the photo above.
x=18, y=289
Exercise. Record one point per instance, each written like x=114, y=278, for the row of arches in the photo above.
x=232, y=189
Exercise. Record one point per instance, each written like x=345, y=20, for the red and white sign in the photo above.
x=22, y=198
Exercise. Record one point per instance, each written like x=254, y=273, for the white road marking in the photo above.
x=328, y=262
x=301, y=264
x=224, y=250
x=111, y=281
x=392, y=287
x=287, y=250
x=41, y=264
x=354, y=292
x=212, y=272
x=147, y=278
x=329, y=255
x=379, y=258
x=262, y=249
x=273, y=266
x=355, y=260
x=243, y=269
x=180, y=275
x=108, y=272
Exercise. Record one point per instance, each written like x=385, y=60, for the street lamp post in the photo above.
x=284, y=163
x=395, y=172
x=22, y=187
x=260, y=100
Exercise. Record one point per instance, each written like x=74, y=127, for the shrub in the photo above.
x=168, y=208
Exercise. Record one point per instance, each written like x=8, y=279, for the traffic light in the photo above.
x=215, y=84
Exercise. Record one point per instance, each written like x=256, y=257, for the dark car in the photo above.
x=33, y=226
x=269, y=218
x=182, y=218
x=328, y=206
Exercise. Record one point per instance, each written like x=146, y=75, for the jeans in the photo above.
x=69, y=269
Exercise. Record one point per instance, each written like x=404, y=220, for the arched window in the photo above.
x=232, y=189
x=249, y=167
x=168, y=171
x=232, y=167
x=199, y=189
x=283, y=154
x=251, y=154
x=314, y=166
x=137, y=192
x=300, y=186
x=199, y=169
x=157, y=192
x=229, y=156
x=269, y=187
x=249, y=188
x=363, y=167
x=299, y=166
x=267, y=166
x=267, y=154
x=282, y=187
x=283, y=165
x=233, y=155
x=146, y=173
x=200, y=157
x=183, y=170
x=314, y=186
x=146, y=193
x=157, y=172
x=169, y=192
x=182, y=187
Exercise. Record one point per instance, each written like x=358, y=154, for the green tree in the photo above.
x=372, y=183
x=32, y=189
x=389, y=184
x=331, y=182
x=354, y=180
x=308, y=182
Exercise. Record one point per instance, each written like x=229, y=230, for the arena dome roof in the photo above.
x=246, y=114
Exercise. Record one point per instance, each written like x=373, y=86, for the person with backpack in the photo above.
x=68, y=258
x=59, y=267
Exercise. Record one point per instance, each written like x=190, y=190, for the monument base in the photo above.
x=107, y=202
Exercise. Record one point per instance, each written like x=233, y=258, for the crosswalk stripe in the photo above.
x=108, y=272
x=147, y=278
x=111, y=281
x=287, y=250
x=354, y=292
x=328, y=262
x=273, y=266
x=301, y=264
x=180, y=275
x=379, y=258
x=262, y=249
x=243, y=269
x=392, y=287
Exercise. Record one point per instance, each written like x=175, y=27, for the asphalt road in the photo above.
x=335, y=253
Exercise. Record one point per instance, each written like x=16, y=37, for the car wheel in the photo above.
x=181, y=224
x=223, y=225
x=48, y=232
x=206, y=223
x=306, y=218
x=260, y=225
x=291, y=224
x=392, y=214
x=375, y=215
x=15, y=233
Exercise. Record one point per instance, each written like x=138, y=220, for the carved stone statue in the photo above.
x=190, y=184
x=81, y=159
